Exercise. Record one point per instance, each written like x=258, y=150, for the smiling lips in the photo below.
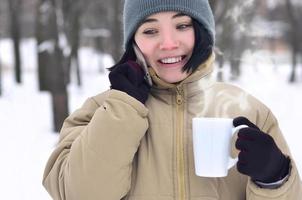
x=172, y=60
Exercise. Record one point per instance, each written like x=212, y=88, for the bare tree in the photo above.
x=226, y=29
x=0, y=78
x=116, y=28
x=72, y=11
x=233, y=20
x=294, y=37
x=50, y=59
x=220, y=9
x=288, y=14
x=14, y=10
x=43, y=20
x=241, y=38
x=102, y=24
x=0, y=67
x=95, y=24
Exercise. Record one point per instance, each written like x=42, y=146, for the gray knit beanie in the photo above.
x=135, y=11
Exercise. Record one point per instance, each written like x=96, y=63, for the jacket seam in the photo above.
x=96, y=103
x=266, y=119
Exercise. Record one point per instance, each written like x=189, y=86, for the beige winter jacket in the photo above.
x=116, y=148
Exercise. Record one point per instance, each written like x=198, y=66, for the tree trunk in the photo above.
x=42, y=35
x=14, y=8
x=58, y=89
x=235, y=68
x=294, y=39
x=100, y=49
x=0, y=70
x=292, y=77
x=116, y=31
x=236, y=56
x=51, y=60
x=0, y=78
x=75, y=45
x=220, y=60
x=72, y=12
x=78, y=70
x=60, y=109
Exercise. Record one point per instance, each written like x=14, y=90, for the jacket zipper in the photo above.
x=180, y=143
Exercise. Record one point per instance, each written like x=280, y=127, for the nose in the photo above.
x=169, y=41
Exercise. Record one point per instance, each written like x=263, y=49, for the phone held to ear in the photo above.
x=142, y=62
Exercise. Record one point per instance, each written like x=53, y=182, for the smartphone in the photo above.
x=142, y=62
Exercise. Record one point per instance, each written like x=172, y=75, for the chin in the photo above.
x=171, y=75
x=172, y=79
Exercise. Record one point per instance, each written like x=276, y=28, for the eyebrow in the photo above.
x=179, y=15
x=150, y=20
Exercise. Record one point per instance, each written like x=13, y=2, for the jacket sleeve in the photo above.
x=292, y=188
x=97, y=144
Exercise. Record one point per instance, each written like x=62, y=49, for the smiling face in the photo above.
x=167, y=39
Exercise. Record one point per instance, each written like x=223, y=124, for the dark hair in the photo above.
x=203, y=47
x=201, y=51
x=128, y=55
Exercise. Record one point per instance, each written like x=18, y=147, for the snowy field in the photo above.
x=25, y=114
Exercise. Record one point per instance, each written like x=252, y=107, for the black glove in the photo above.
x=259, y=157
x=129, y=77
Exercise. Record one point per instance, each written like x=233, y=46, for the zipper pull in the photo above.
x=179, y=95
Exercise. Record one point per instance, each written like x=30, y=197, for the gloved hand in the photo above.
x=129, y=77
x=259, y=157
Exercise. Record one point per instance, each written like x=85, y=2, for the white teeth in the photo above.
x=171, y=60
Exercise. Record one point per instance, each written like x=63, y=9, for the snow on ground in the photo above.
x=26, y=119
x=26, y=128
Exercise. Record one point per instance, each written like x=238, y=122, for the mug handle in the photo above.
x=233, y=161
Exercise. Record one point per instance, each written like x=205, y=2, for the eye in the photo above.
x=150, y=31
x=184, y=26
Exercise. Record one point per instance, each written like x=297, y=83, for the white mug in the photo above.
x=212, y=146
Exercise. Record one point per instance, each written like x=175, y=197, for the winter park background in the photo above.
x=26, y=129
x=262, y=34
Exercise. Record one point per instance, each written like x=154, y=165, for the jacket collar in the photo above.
x=199, y=79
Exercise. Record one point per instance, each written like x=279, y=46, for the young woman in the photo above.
x=134, y=141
